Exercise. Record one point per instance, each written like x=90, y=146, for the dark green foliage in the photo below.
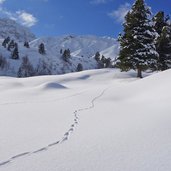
x=42, y=49
x=5, y=42
x=11, y=45
x=108, y=63
x=66, y=55
x=138, y=50
x=43, y=68
x=98, y=59
x=3, y=63
x=159, y=21
x=79, y=67
x=102, y=61
x=164, y=48
x=26, y=44
x=97, y=56
x=15, y=53
x=163, y=43
x=26, y=69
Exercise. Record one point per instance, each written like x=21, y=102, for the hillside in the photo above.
x=14, y=30
x=94, y=120
x=83, y=49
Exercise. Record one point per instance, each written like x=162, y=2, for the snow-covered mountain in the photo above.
x=83, y=49
x=15, y=31
x=85, y=46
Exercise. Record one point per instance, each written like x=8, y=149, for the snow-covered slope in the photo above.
x=82, y=48
x=98, y=120
x=15, y=31
x=85, y=46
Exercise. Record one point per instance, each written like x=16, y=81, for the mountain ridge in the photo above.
x=82, y=50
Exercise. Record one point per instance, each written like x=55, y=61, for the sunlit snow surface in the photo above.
x=97, y=120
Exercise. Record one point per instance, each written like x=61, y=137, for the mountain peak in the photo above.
x=15, y=31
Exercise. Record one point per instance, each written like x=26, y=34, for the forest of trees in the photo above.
x=146, y=40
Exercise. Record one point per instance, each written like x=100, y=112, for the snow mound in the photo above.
x=52, y=86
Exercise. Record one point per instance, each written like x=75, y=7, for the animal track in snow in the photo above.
x=63, y=139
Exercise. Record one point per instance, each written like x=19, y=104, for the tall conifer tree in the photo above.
x=163, y=43
x=164, y=48
x=138, y=51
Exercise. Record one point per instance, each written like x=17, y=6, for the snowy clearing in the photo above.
x=97, y=120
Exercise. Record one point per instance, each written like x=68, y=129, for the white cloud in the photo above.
x=26, y=18
x=120, y=13
x=2, y=1
x=99, y=1
x=22, y=17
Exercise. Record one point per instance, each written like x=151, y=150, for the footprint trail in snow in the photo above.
x=63, y=139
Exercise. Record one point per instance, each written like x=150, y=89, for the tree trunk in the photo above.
x=139, y=73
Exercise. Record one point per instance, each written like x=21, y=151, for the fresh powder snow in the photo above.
x=97, y=120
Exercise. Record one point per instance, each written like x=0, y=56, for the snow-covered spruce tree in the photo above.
x=26, y=44
x=108, y=63
x=26, y=69
x=5, y=42
x=15, y=53
x=164, y=48
x=103, y=61
x=4, y=65
x=42, y=49
x=160, y=21
x=11, y=45
x=97, y=56
x=66, y=55
x=79, y=67
x=162, y=44
x=138, y=51
x=43, y=68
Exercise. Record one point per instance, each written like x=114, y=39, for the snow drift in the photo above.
x=103, y=120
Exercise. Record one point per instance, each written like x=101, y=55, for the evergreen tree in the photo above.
x=66, y=55
x=11, y=45
x=15, y=53
x=26, y=44
x=103, y=59
x=43, y=68
x=5, y=42
x=79, y=67
x=4, y=65
x=163, y=42
x=159, y=21
x=105, y=62
x=164, y=49
x=26, y=69
x=138, y=51
x=97, y=56
x=42, y=49
x=108, y=63
x=100, y=63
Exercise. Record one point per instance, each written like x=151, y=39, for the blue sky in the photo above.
x=80, y=17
